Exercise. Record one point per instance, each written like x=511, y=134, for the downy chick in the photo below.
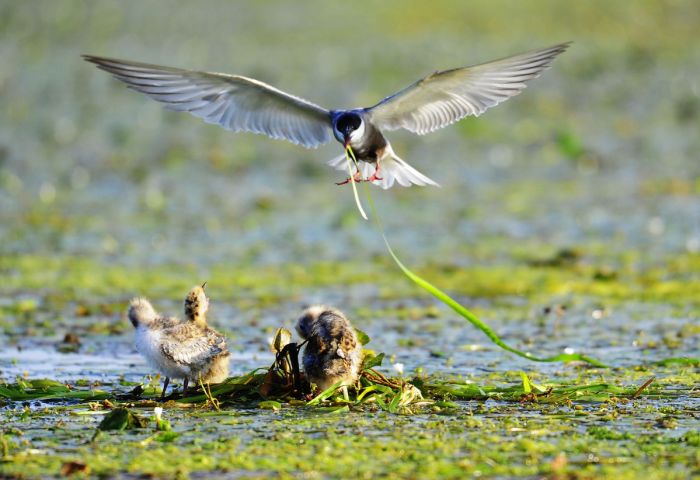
x=196, y=307
x=332, y=353
x=188, y=350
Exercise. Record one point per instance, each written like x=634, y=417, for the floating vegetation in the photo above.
x=388, y=424
x=42, y=389
x=277, y=387
x=121, y=418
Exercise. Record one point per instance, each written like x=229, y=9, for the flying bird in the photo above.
x=239, y=103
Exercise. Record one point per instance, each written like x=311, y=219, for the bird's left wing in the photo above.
x=445, y=97
x=236, y=103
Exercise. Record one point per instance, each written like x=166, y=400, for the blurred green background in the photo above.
x=601, y=150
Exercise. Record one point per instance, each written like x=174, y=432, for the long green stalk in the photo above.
x=464, y=312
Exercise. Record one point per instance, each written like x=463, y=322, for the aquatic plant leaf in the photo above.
x=526, y=383
x=372, y=361
x=327, y=393
x=270, y=405
x=393, y=406
x=383, y=389
x=48, y=385
x=43, y=389
x=468, y=315
x=409, y=394
x=282, y=338
x=692, y=362
x=334, y=410
x=597, y=392
x=362, y=337
x=247, y=385
x=117, y=419
x=122, y=418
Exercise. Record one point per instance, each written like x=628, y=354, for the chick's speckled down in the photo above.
x=190, y=350
x=333, y=353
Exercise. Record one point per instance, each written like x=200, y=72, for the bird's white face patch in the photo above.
x=356, y=135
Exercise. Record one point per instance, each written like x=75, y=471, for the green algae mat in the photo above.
x=567, y=224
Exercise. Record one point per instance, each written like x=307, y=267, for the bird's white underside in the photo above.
x=149, y=343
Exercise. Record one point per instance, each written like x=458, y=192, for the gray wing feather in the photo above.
x=445, y=97
x=236, y=103
x=184, y=348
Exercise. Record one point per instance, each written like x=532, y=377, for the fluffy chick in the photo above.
x=189, y=350
x=196, y=308
x=332, y=353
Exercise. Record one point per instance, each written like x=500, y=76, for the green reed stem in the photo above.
x=465, y=313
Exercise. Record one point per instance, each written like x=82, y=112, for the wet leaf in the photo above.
x=117, y=419
x=122, y=419
x=694, y=362
x=270, y=405
x=526, y=383
x=372, y=361
x=46, y=389
x=334, y=410
x=327, y=393
x=362, y=337
x=282, y=338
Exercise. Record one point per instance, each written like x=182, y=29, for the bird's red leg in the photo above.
x=357, y=177
x=375, y=174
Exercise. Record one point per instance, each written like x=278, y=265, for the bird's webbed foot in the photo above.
x=375, y=176
x=357, y=178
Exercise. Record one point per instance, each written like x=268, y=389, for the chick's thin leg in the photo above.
x=165, y=387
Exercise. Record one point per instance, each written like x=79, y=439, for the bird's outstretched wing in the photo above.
x=444, y=97
x=234, y=102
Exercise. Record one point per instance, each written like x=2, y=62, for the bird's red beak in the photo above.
x=346, y=142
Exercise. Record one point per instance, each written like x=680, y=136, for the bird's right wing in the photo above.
x=445, y=97
x=236, y=103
